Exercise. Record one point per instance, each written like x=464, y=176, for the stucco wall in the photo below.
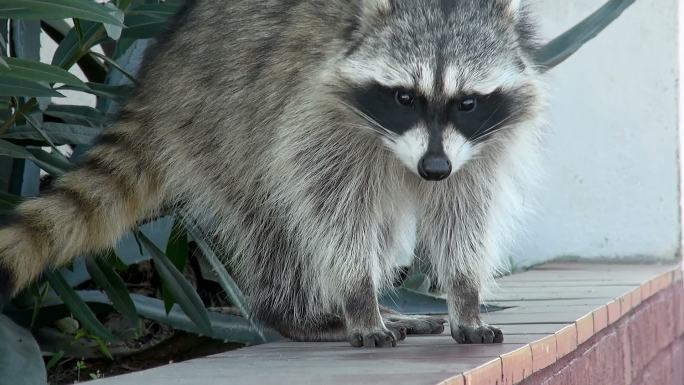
x=611, y=184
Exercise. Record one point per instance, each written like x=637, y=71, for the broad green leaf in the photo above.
x=38, y=72
x=51, y=163
x=72, y=48
x=58, y=30
x=183, y=292
x=177, y=250
x=79, y=308
x=108, y=280
x=8, y=202
x=225, y=327
x=81, y=115
x=149, y=20
x=60, y=133
x=17, y=87
x=563, y=46
x=117, y=93
x=58, y=9
x=21, y=362
x=13, y=151
x=225, y=280
x=114, y=31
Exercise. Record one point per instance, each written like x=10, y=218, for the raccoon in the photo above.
x=320, y=141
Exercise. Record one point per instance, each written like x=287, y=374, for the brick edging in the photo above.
x=542, y=358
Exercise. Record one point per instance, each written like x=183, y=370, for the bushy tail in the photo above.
x=87, y=211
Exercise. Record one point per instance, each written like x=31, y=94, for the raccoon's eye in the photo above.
x=467, y=104
x=405, y=98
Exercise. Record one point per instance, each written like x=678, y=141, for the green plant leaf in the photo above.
x=225, y=280
x=117, y=93
x=17, y=87
x=81, y=115
x=79, y=308
x=149, y=20
x=108, y=280
x=13, y=151
x=72, y=48
x=8, y=202
x=58, y=30
x=49, y=162
x=20, y=360
x=38, y=72
x=58, y=9
x=177, y=250
x=183, y=292
x=60, y=133
x=563, y=46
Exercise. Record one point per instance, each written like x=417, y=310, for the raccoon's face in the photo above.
x=439, y=79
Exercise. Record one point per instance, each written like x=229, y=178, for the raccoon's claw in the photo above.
x=483, y=334
x=377, y=338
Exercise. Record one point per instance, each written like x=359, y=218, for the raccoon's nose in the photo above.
x=434, y=167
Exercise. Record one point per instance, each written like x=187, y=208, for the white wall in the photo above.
x=611, y=188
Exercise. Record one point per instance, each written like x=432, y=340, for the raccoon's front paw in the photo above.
x=476, y=334
x=373, y=338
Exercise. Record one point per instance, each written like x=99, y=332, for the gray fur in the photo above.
x=239, y=119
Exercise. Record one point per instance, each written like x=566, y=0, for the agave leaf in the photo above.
x=182, y=290
x=563, y=46
x=108, y=280
x=177, y=251
x=20, y=360
x=224, y=279
x=79, y=308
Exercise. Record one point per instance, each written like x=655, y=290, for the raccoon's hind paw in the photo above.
x=374, y=338
x=474, y=334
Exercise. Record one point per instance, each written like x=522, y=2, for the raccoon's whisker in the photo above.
x=369, y=119
x=485, y=123
x=492, y=130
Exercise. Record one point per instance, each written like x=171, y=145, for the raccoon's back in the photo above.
x=213, y=87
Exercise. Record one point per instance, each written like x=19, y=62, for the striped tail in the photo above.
x=88, y=210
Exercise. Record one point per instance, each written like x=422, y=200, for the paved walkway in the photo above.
x=553, y=309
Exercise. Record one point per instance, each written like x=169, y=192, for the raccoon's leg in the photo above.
x=365, y=326
x=87, y=211
x=412, y=324
x=464, y=314
x=462, y=256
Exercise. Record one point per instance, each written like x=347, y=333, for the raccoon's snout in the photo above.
x=434, y=167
